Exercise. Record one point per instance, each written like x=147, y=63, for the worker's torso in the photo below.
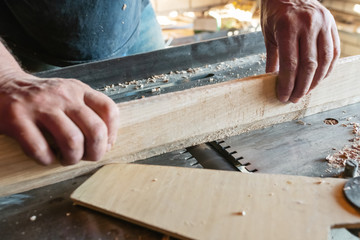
x=70, y=31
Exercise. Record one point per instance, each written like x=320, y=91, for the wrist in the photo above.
x=11, y=74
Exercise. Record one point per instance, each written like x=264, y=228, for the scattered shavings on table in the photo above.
x=337, y=160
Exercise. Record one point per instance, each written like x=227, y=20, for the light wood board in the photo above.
x=206, y=204
x=164, y=123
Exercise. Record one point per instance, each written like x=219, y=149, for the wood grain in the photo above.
x=164, y=123
x=208, y=204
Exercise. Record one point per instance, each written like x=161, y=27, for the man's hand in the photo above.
x=81, y=121
x=302, y=43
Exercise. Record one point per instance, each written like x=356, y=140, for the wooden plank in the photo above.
x=207, y=204
x=163, y=123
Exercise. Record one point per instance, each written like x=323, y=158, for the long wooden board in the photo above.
x=177, y=120
x=208, y=204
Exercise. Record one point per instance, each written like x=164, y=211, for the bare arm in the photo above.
x=82, y=121
x=302, y=43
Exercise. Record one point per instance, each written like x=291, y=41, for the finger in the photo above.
x=272, y=58
x=307, y=67
x=325, y=57
x=31, y=140
x=337, y=51
x=67, y=135
x=94, y=130
x=108, y=112
x=288, y=45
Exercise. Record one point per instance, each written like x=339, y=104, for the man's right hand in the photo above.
x=82, y=122
x=302, y=43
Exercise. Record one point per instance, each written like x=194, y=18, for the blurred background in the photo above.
x=188, y=21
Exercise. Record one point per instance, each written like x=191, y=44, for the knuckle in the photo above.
x=308, y=17
x=37, y=98
x=77, y=84
x=328, y=55
x=312, y=19
x=72, y=149
x=98, y=132
x=326, y=14
x=310, y=64
x=76, y=81
x=291, y=65
x=74, y=140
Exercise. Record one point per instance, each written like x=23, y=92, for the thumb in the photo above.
x=272, y=57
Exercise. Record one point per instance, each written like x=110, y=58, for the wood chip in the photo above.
x=241, y=213
x=338, y=159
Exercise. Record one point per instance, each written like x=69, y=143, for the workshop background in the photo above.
x=195, y=20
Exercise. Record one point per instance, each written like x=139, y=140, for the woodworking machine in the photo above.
x=296, y=147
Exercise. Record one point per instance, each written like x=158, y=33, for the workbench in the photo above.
x=298, y=147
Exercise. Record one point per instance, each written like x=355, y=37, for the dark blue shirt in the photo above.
x=63, y=32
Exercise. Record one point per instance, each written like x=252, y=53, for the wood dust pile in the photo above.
x=352, y=151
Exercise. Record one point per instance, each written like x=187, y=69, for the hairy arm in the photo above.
x=302, y=43
x=81, y=121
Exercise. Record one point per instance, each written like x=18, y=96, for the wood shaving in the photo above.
x=338, y=159
x=241, y=213
x=263, y=56
x=158, y=89
x=331, y=121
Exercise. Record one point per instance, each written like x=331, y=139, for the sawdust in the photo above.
x=338, y=159
x=222, y=71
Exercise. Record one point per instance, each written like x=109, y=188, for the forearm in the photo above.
x=8, y=65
